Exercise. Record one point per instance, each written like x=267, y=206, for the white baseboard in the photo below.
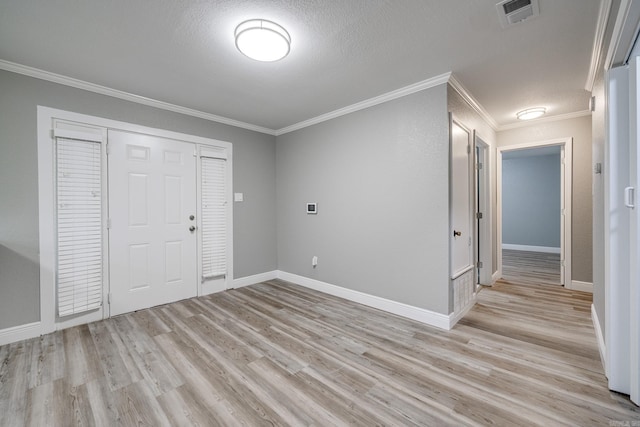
x=256, y=278
x=422, y=315
x=496, y=276
x=545, y=249
x=19, y=333
x=577, y=285
x=455, y=317
x=599, y=337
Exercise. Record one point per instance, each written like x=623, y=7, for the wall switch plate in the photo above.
x=314, y=261
x=238, y=197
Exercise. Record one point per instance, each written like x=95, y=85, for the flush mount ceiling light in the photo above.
x=262, y=40
x=531, y=113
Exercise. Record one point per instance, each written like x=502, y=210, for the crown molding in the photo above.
x=385, y=97
x=466, y=95
x=546, y=119
x=598, y=41
x=103, y=90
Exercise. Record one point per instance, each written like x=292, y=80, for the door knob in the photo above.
x=192, y=228
x=457, y=233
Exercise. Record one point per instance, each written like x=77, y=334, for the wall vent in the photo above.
x=512, y=12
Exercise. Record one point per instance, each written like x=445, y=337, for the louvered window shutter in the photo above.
x=79, y=225
x=214, y=223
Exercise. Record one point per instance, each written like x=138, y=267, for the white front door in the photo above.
x=152, y=208
x=461, y=205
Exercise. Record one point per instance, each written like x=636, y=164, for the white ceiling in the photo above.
x=343, y=52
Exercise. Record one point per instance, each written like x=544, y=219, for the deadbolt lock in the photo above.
x=191, y=217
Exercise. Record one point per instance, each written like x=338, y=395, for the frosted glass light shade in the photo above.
x=531, y=113
x=262, y=40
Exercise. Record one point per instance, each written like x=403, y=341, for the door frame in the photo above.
x=565, y=240
x=49, y=322
x=483, y=186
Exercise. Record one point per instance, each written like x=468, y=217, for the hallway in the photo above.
x=531, y=268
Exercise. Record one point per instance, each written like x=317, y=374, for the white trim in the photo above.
x=46, y=221
x=421, y=315
x=256, y=278
x=455, y=317
x=545, y=119
x=486, y=207
x=385, y=97
x=577, y=285
x=460, y=272
x=598, y=41
x=103, y=90
x=529, y=248
x=19, y=333
x=599, y=338
x=477, y=107
x=45, y=119
x=568, y=198
x=496, y=276
x=621, y=26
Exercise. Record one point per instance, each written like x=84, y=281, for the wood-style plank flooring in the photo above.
x=531, y=268
x=279, y=354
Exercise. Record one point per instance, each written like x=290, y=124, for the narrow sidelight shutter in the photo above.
x=79, y=225
x=214, y=224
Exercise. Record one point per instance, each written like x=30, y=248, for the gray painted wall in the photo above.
x=531, y=201
x=380, y=178
x=581, y=219
x=253, y=174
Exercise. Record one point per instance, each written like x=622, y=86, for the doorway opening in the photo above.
x=534, y=212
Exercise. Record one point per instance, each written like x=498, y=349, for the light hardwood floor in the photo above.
x=532, y=268
x=279, y=354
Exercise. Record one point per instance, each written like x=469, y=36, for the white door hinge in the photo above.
x=108, y=148
x=109, y=298
x=478, y=215
x=629, y=197
x=479, y=264
x=108, y=223
x=468, y=149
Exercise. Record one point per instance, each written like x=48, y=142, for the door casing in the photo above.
x=49, y=322
x=566, y=191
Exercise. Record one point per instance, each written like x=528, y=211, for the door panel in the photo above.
x=152, y=193
x=461, y=205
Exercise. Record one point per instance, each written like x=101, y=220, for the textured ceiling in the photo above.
x=343, y=52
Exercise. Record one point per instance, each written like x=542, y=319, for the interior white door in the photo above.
x=152, y=208
x=461, y=201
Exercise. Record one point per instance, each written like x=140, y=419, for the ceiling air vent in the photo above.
x=512, y=12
